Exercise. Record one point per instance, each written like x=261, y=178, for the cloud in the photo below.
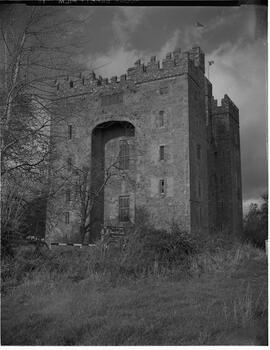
x=126, y=21
x=114, y=62
x=133, y=16
x=119, y=58
x=170, y=44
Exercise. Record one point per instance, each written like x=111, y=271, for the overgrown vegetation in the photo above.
x=137, y=294
x=22, y=216
x=256, y=223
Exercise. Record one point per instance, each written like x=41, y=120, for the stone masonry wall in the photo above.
x=228, y=166
x=96, y=111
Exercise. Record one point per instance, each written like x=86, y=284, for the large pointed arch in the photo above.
x=101, y=134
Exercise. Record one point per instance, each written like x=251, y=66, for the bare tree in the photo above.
x=88, y=194
x=33, y=59
x=35, y=51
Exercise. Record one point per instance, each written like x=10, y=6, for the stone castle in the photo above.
x=154, y=140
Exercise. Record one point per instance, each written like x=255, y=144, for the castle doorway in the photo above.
x=112, y=167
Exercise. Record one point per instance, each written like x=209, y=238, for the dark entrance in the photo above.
x=101, y=134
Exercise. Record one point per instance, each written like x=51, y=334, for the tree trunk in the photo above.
x=82, y=233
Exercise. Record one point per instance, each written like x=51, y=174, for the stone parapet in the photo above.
x=175, y=63
x=226, y=107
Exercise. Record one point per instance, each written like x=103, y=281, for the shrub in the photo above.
x=21, y=217
x=256, y=223
x=147, y=248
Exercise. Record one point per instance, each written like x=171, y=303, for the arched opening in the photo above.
x=109, y=158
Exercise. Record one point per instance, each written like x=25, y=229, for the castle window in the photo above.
x=163, y=90
x=68, y=196
x=161, y=119
x=71, y=84
x=162, y=186
x=199, y=151
x=69, y=164
x=67, y=217
x=124, y=155
x=124, y=208
x=70, y=132
x=161, y=152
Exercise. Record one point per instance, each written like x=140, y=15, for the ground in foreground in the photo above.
x=217, y=308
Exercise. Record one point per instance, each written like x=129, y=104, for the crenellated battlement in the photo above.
x=175, y=63
x=226, y=106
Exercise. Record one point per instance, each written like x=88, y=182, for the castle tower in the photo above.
x=141, y=143
x=227, y=166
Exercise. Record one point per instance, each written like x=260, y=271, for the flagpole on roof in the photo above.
x=209, y=64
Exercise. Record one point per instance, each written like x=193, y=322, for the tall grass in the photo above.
x=226, y=259
x=243, y=308
x=147, y=253
x=131, y=295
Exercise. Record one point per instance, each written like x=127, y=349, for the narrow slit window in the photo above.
x=161, y=119
x=161, y=152
x=163, y=90
x=162, y=186
x=124, y=208
x=68, y=196
x=198, y=151
x=124, y=155
x=71, y=84
x=67, y=217
x=70, y=132
x=199, y=189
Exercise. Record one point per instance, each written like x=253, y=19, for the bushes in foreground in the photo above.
x=149, y=248
x=256, y=223
x=145, y=252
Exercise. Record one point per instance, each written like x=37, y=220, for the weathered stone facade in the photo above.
x=180, y=151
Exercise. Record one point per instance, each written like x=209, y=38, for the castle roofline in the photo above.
x=174, y=63
x=226, y=106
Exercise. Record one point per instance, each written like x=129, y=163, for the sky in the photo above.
x=235, y=38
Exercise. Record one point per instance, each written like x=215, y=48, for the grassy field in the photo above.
x=220, y=300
